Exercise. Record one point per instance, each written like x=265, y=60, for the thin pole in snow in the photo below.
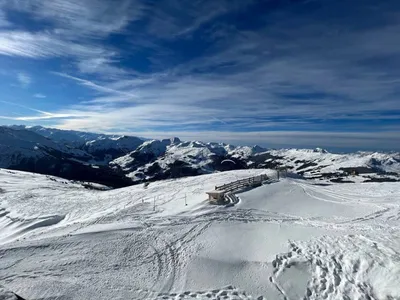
x=185, y=201
x=154, y=206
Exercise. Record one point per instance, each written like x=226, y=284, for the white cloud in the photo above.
x=239, y=98
x=101, y=65
x=78, y=31
x=41, y=96
x=24, y=79
x=44, y=45
x=89, y=18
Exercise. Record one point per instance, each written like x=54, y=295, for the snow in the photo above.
x=6, y=294
x=289, y=239
x=152, y=147
x=329, y=162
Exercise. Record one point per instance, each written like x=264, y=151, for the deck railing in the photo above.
x=242, y=183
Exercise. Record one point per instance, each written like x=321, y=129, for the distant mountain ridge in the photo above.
x=121, y=160
x=102, y=147
x=26, y=150
x=69, y=137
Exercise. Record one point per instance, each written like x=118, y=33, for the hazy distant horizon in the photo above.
x=274, y=140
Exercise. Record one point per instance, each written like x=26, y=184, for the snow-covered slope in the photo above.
x=108, y=148
x=321, y=161
x=291, y=239
x=145, y=153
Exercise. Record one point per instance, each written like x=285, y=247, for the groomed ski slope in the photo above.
x=291, y=239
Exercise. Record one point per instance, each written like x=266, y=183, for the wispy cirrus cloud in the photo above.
x=74, y=18
x=95, y=86
x=70, y=28
x=174, y=18
x=4, y=23
x=101, y=65
x=44, y=45
x=24, y=79
x=40, y=96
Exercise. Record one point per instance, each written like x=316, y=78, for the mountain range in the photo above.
x=116, y=160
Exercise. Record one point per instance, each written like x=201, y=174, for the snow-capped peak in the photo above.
x=320, y=150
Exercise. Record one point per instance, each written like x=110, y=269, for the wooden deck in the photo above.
x=243, y=183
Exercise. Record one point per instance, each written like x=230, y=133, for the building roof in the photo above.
x=216, y=192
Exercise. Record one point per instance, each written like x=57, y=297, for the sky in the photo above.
x=289, y=73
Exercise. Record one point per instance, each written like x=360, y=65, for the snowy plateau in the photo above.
x=328, y=230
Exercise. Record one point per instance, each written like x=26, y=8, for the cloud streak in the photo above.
x=44, y=45
x=94, y=86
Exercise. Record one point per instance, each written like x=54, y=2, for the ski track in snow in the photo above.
x=333, y=242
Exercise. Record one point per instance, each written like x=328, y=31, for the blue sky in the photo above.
x=287, y=73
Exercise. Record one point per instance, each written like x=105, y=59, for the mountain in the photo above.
x=25, y=150
x=319, y=163
x=155, y=160
x=95, y=157
x=108, y=148
x=103, y=148
x=76, y=139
